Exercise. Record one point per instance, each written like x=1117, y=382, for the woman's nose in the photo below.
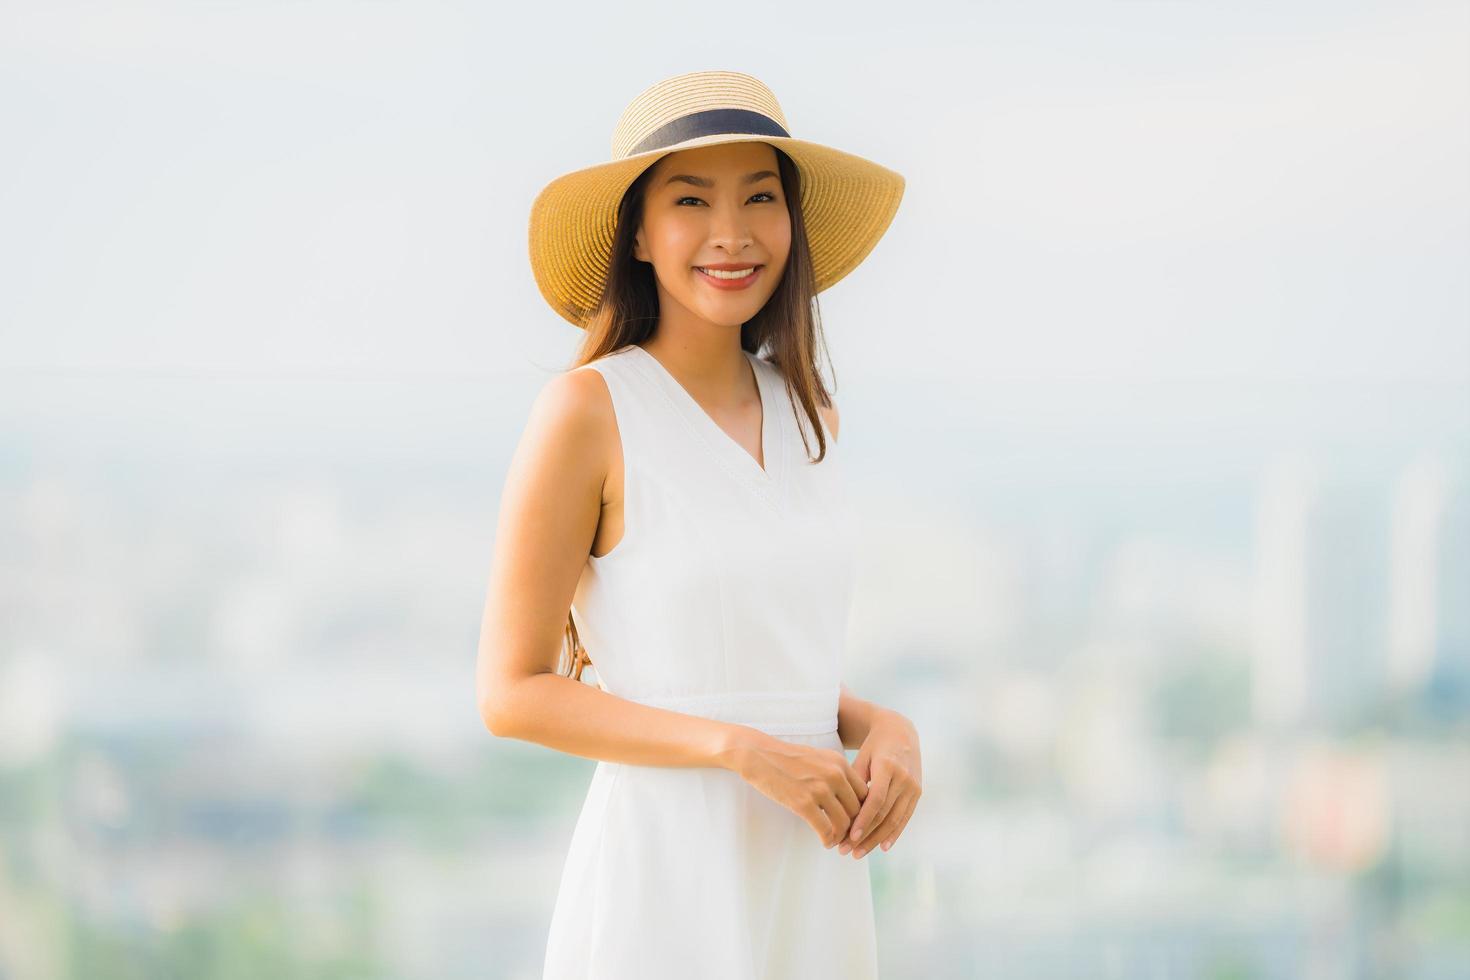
x=729, y=227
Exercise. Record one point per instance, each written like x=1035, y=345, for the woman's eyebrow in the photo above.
x=706, y=182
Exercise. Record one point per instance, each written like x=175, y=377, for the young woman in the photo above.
x=675, y=515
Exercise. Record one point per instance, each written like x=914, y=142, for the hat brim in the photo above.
x=847, y=202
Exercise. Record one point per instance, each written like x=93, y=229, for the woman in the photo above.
x=674, y=515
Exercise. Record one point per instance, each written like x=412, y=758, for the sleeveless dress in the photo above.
x=727, y=597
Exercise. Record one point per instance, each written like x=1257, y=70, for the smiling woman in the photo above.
x=677, y=502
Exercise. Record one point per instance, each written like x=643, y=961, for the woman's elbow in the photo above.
x=499, y=702
x=494, y=708
x=500, y=692
x=491, y=700
x=488, y=716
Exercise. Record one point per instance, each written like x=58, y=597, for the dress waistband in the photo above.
x=773, y=712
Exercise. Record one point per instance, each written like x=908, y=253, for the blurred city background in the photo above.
x=1155, y=404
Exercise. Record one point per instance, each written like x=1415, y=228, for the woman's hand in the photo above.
x=888, y=761
x=819, y=785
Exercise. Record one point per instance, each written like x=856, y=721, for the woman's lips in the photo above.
x=743, y=283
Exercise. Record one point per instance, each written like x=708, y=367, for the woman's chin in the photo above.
x=725, y=318
x=727, y=314
x=731, y=309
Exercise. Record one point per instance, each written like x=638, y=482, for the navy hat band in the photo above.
x=710, y=122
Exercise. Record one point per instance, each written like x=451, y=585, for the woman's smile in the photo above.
x=729, y=278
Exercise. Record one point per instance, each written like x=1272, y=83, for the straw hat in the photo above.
x=847, y=202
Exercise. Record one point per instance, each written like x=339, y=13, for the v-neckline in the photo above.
x=721, y=443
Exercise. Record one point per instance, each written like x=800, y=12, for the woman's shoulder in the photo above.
x=576, y=405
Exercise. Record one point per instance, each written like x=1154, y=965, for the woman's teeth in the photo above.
x=723, y=274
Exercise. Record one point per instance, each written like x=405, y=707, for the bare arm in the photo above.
x=549, y=511
x=571, y=716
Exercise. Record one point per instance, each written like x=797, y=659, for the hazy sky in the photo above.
x=1096, y=191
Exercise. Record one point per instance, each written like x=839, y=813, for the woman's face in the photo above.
x=701, y=209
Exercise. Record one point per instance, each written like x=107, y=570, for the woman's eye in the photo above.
x=765, y=194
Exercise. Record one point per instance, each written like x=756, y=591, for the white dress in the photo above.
x=727, y=597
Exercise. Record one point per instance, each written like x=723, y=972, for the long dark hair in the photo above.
x=788, y=327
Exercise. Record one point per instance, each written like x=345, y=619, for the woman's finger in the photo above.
x=817, y=817
x=885, y=826
x=875, y=807
x=902, y=823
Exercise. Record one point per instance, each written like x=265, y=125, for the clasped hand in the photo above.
x=888, y=761
x=856, y=806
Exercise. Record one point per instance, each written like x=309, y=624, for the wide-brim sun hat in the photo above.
x=847, y=202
